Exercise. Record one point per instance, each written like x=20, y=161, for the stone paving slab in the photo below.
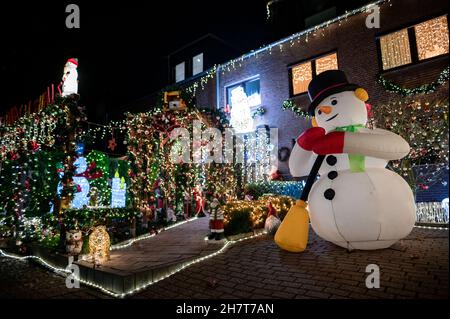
x=153, y=258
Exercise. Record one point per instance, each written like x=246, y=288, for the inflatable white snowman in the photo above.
x=70, y=78
x=357, y=203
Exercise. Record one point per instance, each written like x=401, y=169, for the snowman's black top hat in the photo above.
x=325, y=84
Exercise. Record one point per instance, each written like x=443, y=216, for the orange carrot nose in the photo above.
x=326, y=109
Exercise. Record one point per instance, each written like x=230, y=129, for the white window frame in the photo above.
x=180, y=67
x=251, y=78
x=195, y=62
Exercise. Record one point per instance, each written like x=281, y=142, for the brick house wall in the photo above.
x=358, y=57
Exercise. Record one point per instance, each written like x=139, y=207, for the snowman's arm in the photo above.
x=300, y=161
x=376, y=143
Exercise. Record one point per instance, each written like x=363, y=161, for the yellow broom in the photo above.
x=292, y=235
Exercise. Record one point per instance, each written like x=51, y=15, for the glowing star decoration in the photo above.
x=70, y=78
x=81, y=198
x=118, y=191
x=241, y=117
x=99, y=244
x=112, y=144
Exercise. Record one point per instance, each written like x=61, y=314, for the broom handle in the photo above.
x=312, y=177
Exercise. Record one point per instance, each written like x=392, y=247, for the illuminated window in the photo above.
x=251, y=90
x=197, y=64
x=432, y=38
x=301, y=76
x=241, y=98
x=303, y=73
x=395, y=49
x=179, y=72
x=328, y=62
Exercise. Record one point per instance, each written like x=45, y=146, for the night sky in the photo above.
x=121, y=49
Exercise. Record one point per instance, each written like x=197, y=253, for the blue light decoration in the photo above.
x=81, y=198
x=59, y=187
x=118, y=191
x=79, y=149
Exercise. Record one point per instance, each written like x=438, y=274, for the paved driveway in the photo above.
x=416, y=267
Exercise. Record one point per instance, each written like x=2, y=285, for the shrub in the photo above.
x=242, y=216
x=240, y=223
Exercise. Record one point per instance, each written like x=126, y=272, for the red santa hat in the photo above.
x=272, y=210
x=73, y=60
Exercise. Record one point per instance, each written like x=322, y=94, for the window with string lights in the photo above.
x=432, y=38
x=410, y=45
x=302, y=73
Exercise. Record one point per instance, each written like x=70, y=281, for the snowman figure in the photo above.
x=357, y=203
x=241, y=118
x=81, y=198
x=70, y=78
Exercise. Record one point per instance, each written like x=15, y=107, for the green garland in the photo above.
x=423, y=89
x=290, y=105
x=258, y=112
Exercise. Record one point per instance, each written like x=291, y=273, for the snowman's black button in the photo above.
x=332, y=174
x=331, y=160
x=329, y=194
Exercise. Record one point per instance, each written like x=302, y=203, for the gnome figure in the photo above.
x=272, y=220
x=357, y=203
x=171, y=215
x=216, y=221
x=70, y=78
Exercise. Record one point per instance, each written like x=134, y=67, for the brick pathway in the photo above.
x=417, y=267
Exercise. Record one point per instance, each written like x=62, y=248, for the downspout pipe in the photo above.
x=218, y=87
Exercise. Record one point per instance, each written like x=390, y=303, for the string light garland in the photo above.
x=294, y=39
x=423, y=89
x=290, y=105
x=431, y=227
